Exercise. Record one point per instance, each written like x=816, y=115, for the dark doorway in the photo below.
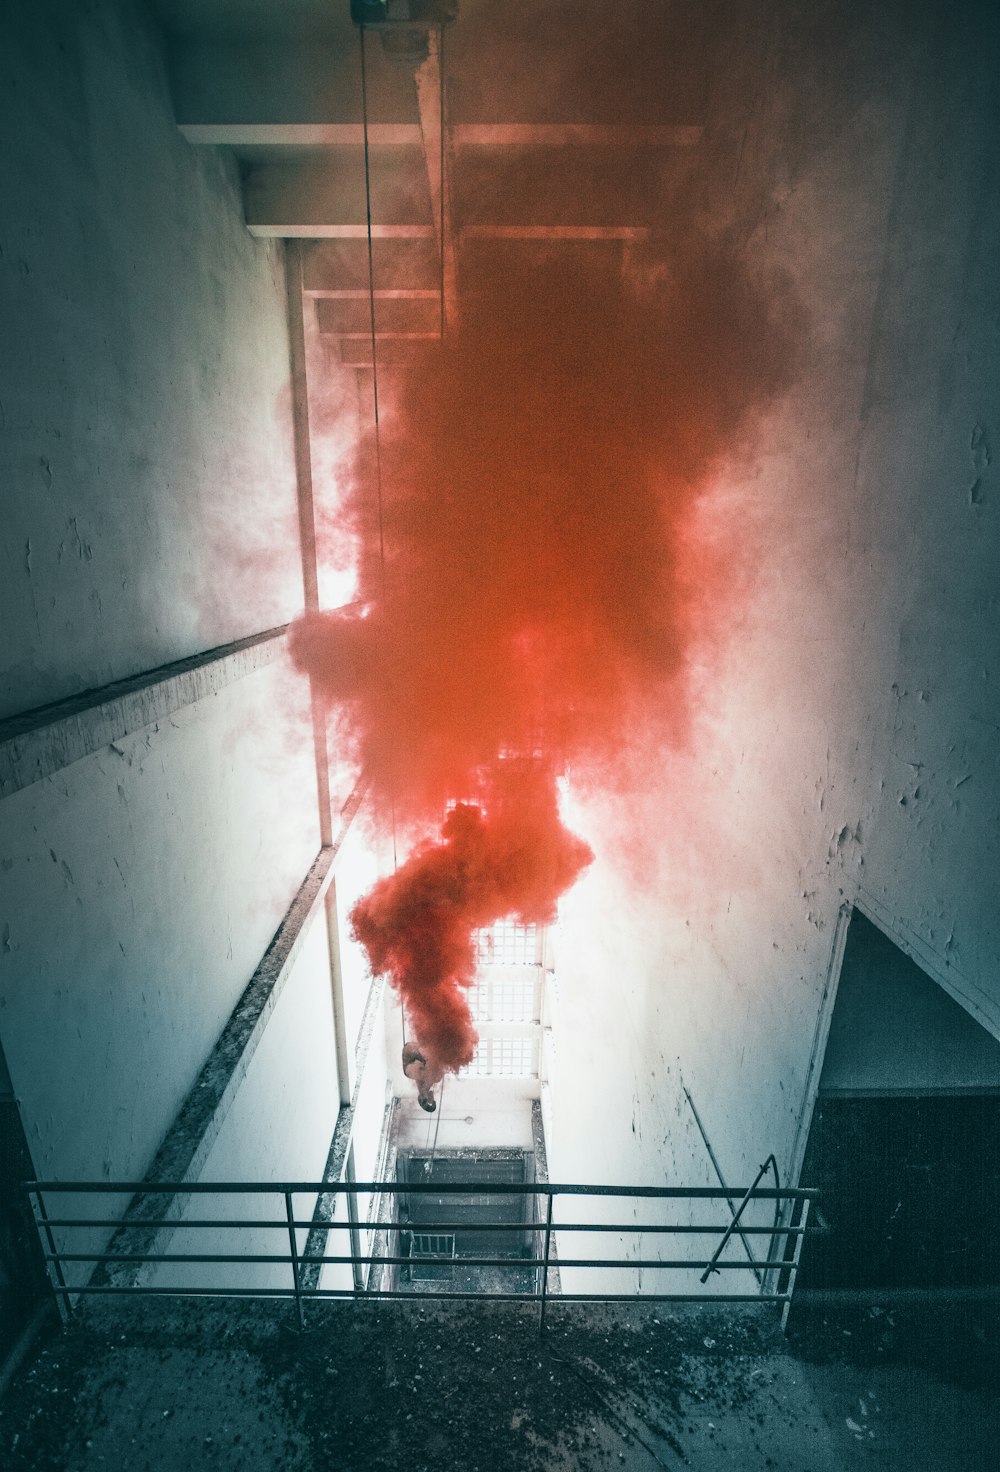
x=911, y=1193
x=439, y=1232
x=24, y=1286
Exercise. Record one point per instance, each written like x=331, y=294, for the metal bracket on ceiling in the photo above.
x=404, y=25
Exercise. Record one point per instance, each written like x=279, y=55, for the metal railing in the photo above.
x=777, y=1269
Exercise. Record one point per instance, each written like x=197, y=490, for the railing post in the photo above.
x=545, y=1265
x=793, y=1267
x=354, y=1236
x=289, y=1213
x=62, y=1294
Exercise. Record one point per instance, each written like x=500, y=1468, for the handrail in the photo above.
x=711, y=1267
x=704, y=1229
x=408, y=1188
x=540, y=1220
x=722, y=1180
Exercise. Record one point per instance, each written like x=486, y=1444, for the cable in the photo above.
x=378, y=435
x=371, y=306
x=441, y=165
x=429, y=1165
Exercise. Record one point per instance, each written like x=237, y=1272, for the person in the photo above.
x=414, y=1066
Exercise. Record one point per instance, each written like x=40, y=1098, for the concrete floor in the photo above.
x=168, y=1384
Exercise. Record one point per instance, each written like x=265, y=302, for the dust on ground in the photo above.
x=189, y=1384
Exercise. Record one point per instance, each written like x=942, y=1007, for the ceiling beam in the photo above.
x=562, y=135
x=555, y=232
x=314, y=230
x=359, y=294
x=303, y=135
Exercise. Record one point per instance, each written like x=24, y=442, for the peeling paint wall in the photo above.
x=278, y=1129
x=845, y=743
x=845, y=739
x=150, y=513
x=140, y=888
x=145, y=426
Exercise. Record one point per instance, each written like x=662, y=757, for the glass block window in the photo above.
x=506, y=996
x=503, y=1058
x=507, y=944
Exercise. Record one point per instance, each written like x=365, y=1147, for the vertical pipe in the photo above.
x=344, y=1080
x=302, y=445
x=307, y=510
x=350, y=1180
x=293, y=1249
x=62, y=1296
x=545, y=1265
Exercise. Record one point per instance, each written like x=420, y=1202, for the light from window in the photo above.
x=507, y=944
x=503, y=1058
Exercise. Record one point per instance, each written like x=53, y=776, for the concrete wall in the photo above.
x=278, y=1129
x=844, y=728
x=358, y=866
x=139, y=891
x=145, y=452
x=149, y=513
x=844, y=716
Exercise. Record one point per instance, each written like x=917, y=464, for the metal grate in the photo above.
x=432, y=1256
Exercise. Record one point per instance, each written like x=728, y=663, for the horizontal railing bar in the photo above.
x=202, y=1224
x=676, y=1228
x=435, y=1261
x=350, y=1295
x=244, y=1257
x=224, y=1223
x=712, y=1298
x=417, y=1188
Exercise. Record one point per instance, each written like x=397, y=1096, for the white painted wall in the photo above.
x=140, y=888
x=149, y=513
x=845, y=727
x=474, y=1113
x=278, y=1129
x=359, y=864
x=145, y=434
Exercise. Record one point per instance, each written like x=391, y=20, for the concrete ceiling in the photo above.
x=567, y=128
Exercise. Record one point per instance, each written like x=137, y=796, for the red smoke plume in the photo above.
x=514, y=858
x=539, y=480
